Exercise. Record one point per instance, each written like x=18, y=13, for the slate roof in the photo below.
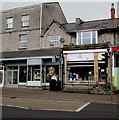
x=32, y=53
x=92, y=25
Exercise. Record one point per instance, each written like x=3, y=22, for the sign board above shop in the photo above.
x=34, y=61
x=80, y=56
x=115, y=48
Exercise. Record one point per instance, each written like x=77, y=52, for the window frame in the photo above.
x=23, y=41
x=9, y=23
x=54, y=40
x=24, y=21
x=79, y=40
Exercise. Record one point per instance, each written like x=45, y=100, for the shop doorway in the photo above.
x=12, y=78
x=22, y=75
x=34, y=75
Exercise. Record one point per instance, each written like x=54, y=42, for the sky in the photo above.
x=85, y=9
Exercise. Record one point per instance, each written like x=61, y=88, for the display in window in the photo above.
x=36, y=74
x=52, y=73
x=80, y=74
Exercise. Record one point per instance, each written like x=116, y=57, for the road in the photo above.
x=93, y=110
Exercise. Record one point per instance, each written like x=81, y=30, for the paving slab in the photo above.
x=42, y=104
x=37, y=93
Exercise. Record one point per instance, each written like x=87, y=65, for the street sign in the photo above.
x=115, y=48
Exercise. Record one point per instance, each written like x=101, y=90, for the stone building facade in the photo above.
x=35, y=18
x=26, y=59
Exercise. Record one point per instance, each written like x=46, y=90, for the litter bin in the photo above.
x=55, y=85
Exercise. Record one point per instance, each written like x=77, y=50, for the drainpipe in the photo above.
x=40, y=24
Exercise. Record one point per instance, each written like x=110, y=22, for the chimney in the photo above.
x=78, y=21
x=112, y=12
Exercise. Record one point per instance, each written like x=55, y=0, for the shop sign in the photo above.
x=34, y=61
x=115, y=48
x=102, y=81
x=80, y=57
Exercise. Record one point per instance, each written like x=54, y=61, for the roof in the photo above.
x=86, y=47
x=32, y=53
x=92, y=25
x=54, y=21
x=27, y=6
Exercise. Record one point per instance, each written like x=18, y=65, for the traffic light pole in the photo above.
x=111, y=71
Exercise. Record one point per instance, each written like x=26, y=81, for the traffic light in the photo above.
x=105, y=59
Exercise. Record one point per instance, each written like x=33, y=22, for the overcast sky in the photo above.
x=86, y=10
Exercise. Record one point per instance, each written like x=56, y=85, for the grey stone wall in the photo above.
x=56, y=30
x=112, y=37
x=10, y=37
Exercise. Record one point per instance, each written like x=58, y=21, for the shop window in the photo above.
x=10, y=23
x=88, y=37
x=12, y=67
x=52, y=73
x=25, y=20
x=80, y=74
x=12, y=75
x=54, y=41
x=23, y=74
x=34, y=73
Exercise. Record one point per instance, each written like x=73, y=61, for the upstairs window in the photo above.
x=23, y=41
x=10, y=23
x=89, y=37
x=25, y=20
x=54, y=41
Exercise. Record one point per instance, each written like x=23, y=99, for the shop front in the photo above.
x=16, y=72
x=34, y=72
x=32, y=68
x=85, y=67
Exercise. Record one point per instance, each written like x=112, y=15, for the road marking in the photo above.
x=81, y=108
x=16, y=106
x=54, y=110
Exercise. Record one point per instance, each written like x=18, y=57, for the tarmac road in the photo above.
x=93, y=110
x=33, y=103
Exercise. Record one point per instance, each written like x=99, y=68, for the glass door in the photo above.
x=1, y=78
x=12, y=78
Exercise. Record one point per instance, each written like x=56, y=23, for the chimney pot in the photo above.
x=112, y=11
x=78, y=21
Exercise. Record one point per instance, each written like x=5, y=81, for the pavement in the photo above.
x=36, y=98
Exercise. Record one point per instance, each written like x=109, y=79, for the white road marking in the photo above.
x=15, y=106
x=81, y=108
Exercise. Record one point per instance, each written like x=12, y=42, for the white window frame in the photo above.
x=22, y=41
x=9, y=22
x=25, y=21
x=91, y=38
x=54, y=40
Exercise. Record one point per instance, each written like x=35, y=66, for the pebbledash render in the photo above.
x=79, y=53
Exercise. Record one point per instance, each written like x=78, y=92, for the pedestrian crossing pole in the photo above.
x=111, y=71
